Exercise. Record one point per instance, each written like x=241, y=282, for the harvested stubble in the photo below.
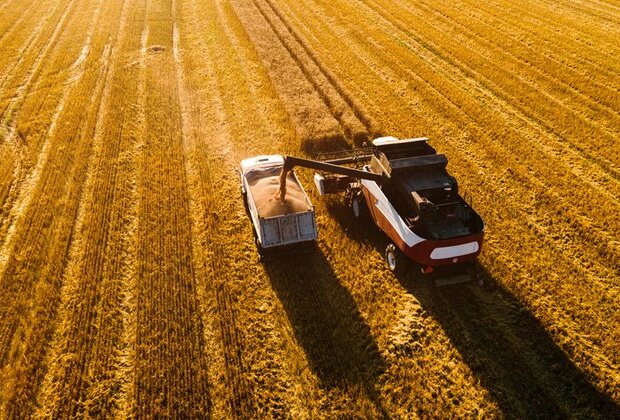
x=159, y=308
x=273, y=200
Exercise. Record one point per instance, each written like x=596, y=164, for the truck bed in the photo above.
x=264, y=187
x=280, y=226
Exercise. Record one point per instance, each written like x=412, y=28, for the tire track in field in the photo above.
x=256, y=368
x=20, y=160
x=329, y=374
x=313, y=120
x=256, y=80
x=336, y=100
x=170, y=374
x=357, y=125
x=26, y=45
x=83, y=376
x=195, y=195
x=231, y=392
x=32, y=281
x=26, y=195
x=15, y=23
x=512, y=212
x=125, y=361
x=9, y=115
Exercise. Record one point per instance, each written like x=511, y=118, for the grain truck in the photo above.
x=279, y=226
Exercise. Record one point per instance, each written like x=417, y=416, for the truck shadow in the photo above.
x=503, y=343
x=339, y=346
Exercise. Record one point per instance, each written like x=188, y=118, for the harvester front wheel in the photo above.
x=355, y=207
x=357, y=204
x=393, y=257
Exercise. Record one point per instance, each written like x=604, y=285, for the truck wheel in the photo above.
x=259, y=248
x=393, y=257
x=245, y=202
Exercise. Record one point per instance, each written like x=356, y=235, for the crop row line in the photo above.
x=593, y=11
x=466, y=103
x=15, y=23
x=26, y=176
x=562, y=31
x=8, y=117
x=352, y=128
x=314, y=122
x=557, y=34
x=558, y=149
x=170, y=372
x=221, y=301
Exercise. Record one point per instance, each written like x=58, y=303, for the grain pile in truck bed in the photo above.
x=265, y=185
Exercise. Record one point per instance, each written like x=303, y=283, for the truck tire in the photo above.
x=259, y=249
x=394, y=258
x=245, y=202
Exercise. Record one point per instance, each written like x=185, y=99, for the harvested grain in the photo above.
x=265, y=188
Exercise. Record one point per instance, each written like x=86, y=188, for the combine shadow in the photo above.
x=503, y=343
x=327, y=324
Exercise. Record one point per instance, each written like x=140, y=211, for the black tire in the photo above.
x=357, y=204
x=355, y=207
x=245, y=202
x=393, y=258
x=259, y=248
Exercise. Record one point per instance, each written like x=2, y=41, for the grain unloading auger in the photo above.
x=410, y=196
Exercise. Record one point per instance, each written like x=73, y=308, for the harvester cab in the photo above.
x=421, y=190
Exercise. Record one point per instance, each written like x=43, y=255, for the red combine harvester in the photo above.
x=411, y=197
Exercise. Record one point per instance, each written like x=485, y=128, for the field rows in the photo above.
x=538, y=232
x=130, y=282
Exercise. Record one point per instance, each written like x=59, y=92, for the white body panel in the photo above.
x=382, y=203
x=319, y=181
x=277, y=230
x=455, y=251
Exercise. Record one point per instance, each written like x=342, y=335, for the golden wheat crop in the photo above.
x=129, y=282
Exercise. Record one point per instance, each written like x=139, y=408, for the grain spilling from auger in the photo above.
x=276, y=193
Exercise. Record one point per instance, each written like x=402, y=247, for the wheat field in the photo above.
x=130, y=285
